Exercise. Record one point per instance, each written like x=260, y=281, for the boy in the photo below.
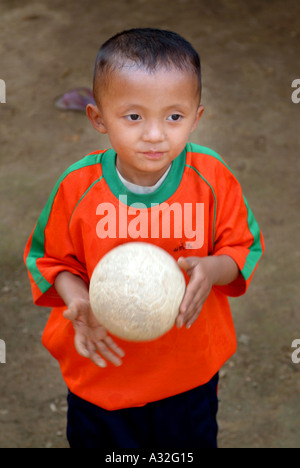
x=160, y=394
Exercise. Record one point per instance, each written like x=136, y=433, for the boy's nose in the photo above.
x=153, y=133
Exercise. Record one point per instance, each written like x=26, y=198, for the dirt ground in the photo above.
x=250, y=56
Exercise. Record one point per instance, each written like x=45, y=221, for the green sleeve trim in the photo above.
x=256, y=249
x=204, y=150
x=215, y=198
x=81, y=198
x=37, y=249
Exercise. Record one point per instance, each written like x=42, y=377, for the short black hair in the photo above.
x=148, y=48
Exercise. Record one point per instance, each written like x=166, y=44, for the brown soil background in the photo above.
x=250, y=56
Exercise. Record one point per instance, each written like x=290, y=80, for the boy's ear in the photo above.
x=199, y=114
x=95, y=117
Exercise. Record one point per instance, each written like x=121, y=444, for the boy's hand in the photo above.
x=204, y=272
x=197, y=290
x=91, y=339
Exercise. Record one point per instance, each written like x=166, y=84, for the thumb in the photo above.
x=71, y=313
x=187, y=263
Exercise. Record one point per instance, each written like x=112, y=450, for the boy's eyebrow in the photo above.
x=174, y=106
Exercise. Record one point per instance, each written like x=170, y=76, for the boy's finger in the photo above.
x=192, y=295
x=190, y=307
x=80, y=345
x=192, y=320
x=95, y=357
x=184, y=318
x=88, y=351
x=114, y=347
x=183, y=311
x=107, y=354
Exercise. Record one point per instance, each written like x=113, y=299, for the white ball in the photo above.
x=136, y=291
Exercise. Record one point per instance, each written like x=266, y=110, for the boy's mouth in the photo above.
x=153, y=154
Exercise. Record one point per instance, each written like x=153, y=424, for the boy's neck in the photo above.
x=147, y=179
x=137, y=188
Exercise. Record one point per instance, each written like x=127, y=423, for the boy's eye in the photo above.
x=175, y=117
x=133, y=117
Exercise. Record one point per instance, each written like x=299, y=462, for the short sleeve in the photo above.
x=237, y=233
x=50, y=251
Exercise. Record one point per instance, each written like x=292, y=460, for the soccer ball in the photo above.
x=136, y=291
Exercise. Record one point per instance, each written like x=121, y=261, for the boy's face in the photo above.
x=148, y=118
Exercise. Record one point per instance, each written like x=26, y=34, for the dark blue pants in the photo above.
x=183, y=421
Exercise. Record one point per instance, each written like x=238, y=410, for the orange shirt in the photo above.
x=199, y=210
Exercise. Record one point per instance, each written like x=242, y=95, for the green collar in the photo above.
x=163, y=193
